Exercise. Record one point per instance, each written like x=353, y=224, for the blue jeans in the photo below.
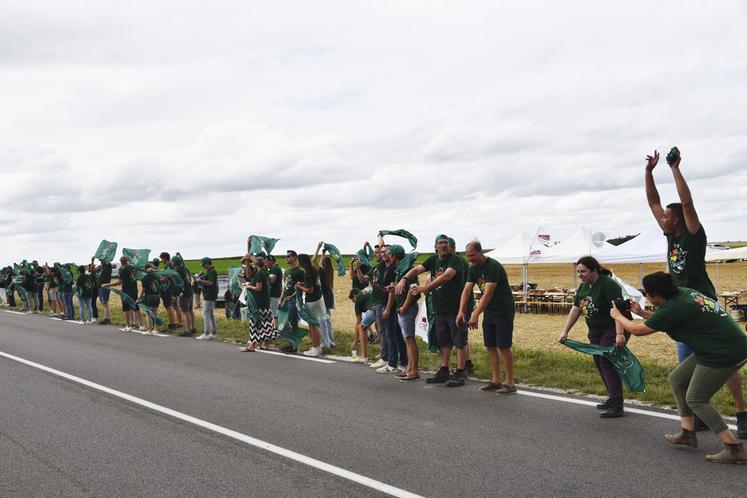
x=325, y=330
x=67, y=298
x=397, y=348
x=84, y=304
x=683, y=351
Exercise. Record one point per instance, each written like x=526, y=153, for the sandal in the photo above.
x=491, y=386
x=246, y=349
x=506, y=389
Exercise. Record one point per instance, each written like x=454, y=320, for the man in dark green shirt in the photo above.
x=209, y=283
x=103, y=275
x=497, y=304
x=128, y=281
x=686, y=248
x=275, y=279
x=293, y=275
x=445, y=287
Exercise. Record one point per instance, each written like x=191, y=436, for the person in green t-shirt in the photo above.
x=686, y=248
x=128, y=281
x=323, y=264
x=169, y=293
x=497, y=304
x=186, y=296
x=209, y=282
x=468, y=366
x=103, y=275
x=405, y=307
x=445, y=289
x=261, y=329
x=719, y=349
x=275, y=276
x=365, y=317
x=84, y=285
x=150, y=295
x=312, y=289
x=594, y=300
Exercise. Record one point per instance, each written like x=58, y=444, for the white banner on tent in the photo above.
x=630, y=292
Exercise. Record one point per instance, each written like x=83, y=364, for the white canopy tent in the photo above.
x=738, y=253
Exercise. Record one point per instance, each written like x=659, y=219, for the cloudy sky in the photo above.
x=191, y=125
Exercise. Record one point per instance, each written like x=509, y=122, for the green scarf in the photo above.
x=401, y=233
x=151, y=313
x=404, y=266
x=334, y=253
x=624, y=361
x=126, y=299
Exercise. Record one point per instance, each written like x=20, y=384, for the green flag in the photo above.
x=432, y=340
x=334, y=253
x=65, y=274
x=174, y=279
x=363, y=257
x=137, y=257
x=258, y=244
x=106, y=251
x=401, y=233
x=624, y=361
x=151, y=313
x=293, y=335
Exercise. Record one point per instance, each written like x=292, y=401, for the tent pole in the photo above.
x=718, y=278
x=525, y=286
x=574, y=277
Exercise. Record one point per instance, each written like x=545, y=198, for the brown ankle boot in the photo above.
x=732, y=453
x=685, y=437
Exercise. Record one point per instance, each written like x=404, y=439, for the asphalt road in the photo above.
x=60, y=438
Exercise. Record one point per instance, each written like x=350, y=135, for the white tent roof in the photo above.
x=650, y=246
x=738, y=253
x=582, y=242
x=514, y=251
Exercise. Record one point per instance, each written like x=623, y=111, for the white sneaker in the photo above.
x=203, y=337
x=92, y=320
x=388, y=370
x=143, y=329
x=153, y=332
x=127, y=328
x=313, y=352
x=378, y=364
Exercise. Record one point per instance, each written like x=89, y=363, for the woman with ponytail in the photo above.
x=594, y=301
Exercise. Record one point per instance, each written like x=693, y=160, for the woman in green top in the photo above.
x=150, y=296
x=261, y=329
x=719, y=349
x=313, y=302
x=594, y=300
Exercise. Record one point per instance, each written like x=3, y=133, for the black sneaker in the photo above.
x=288, y=349
x=613, y=412
x=469, y=367
x=186, y=333
x=603, y=406
x=457, y=379
x=742, y=425
x=441, y=376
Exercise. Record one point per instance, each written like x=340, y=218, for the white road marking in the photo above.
x=295, y=356
x=15, y=312
x=668, y=416
x=258, y=443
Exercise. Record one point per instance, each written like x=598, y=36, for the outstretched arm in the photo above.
x=652, y=195
x=683, y=191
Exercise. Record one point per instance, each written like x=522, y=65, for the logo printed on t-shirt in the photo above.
x=588, y=308
x=708, y=305
x=677, y=258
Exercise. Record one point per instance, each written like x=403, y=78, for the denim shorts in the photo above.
x=407, y=321
x=104, y=294
x=369, y=318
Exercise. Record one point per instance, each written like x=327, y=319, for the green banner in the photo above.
x=260, y=245
x=106, y=251
x=401, y=233
x=624, y=361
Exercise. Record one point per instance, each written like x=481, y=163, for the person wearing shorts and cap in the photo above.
x=406, y=304
x=497, y=306
x=445, y=287
x=128, y=282
x=365, y=317
x=185, y=296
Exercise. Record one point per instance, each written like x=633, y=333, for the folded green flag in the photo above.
x=233, y=280
x=174, y=279
x=137, y=257
x=334, y=253
x=126, y=299
x=67, y=276
x=401, y=233
x=258, y=244
x=404, y=266
x=303, y=312
x=106, y=251
x=624, y=361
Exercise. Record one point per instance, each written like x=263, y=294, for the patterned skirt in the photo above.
x=263, y=329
